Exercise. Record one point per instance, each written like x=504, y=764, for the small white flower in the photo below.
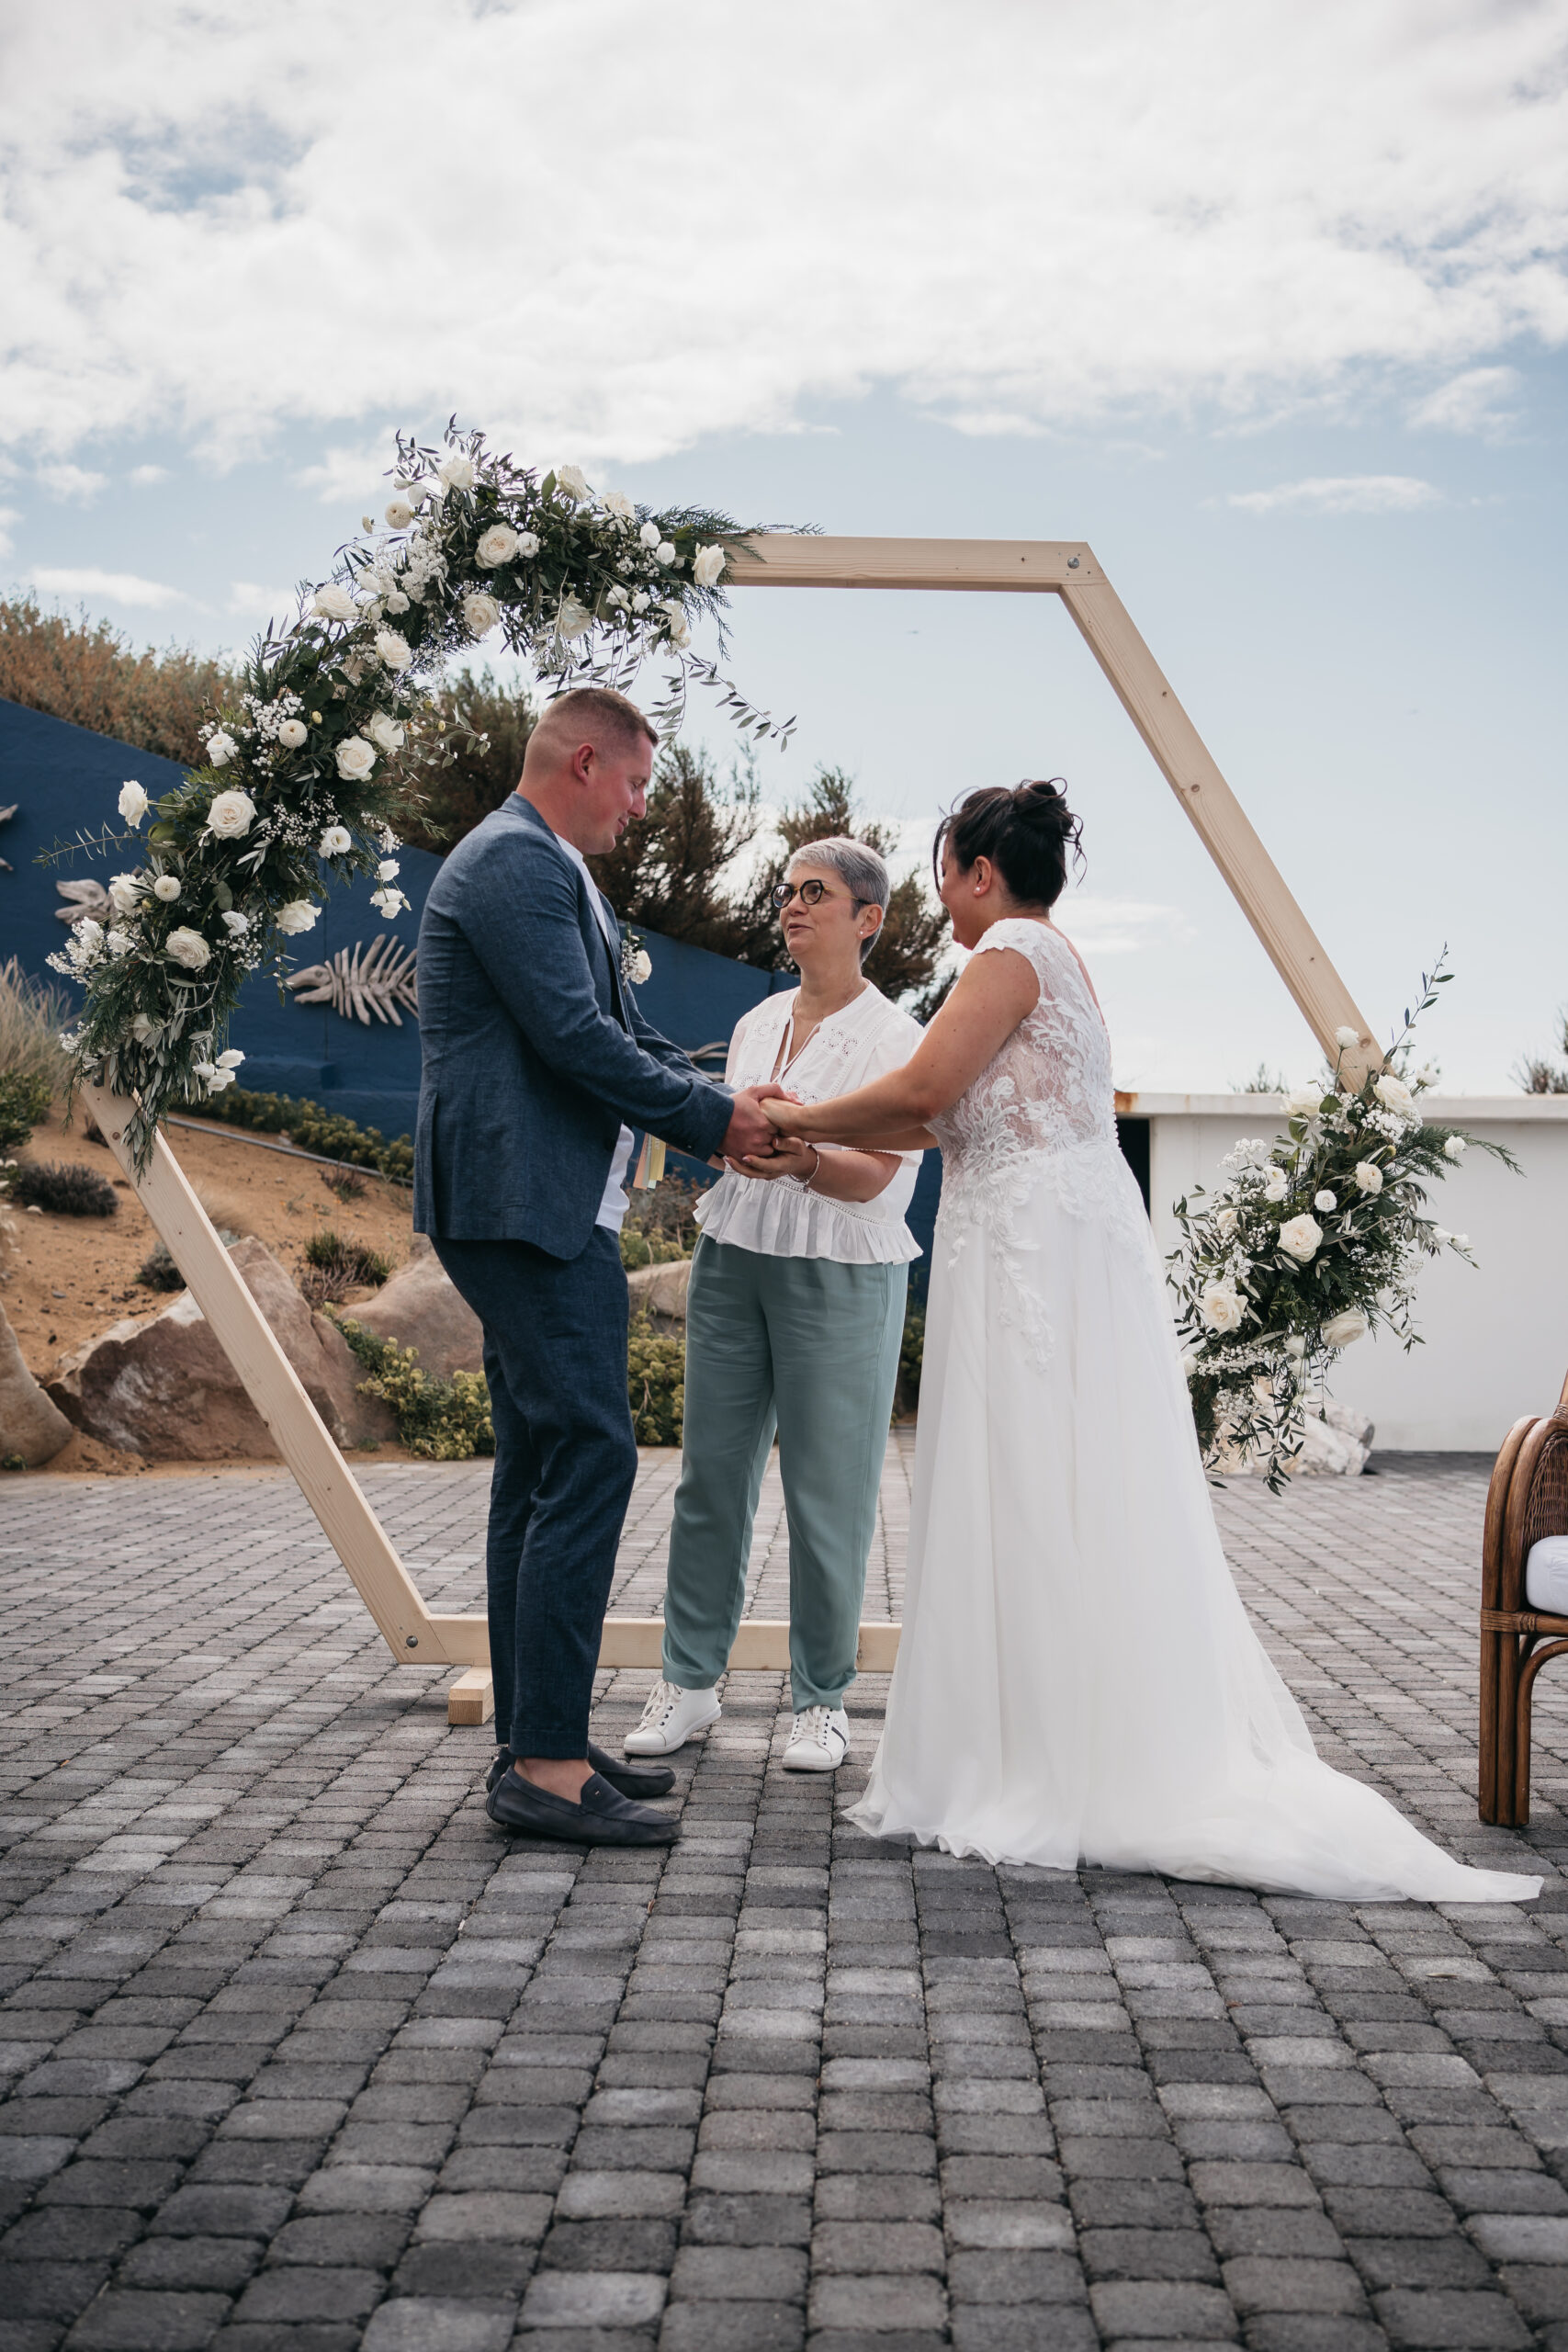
x=220, y=1079
x=617, y=503
x=396, y=602
x=1300, y=1238
x=390, y=902
x=187, y=948
x=1220, y=1307
x=385, y=732
x=641, y=601
x=572, y=483
x=297, y=915
x=664, y=552
x=650, y=534
x=1341, y=1330
x=392, y=652
x=167, y=889
x=481, y=614
x=455, y=470
x=143, y=1029
x=707, y=566
x=1326, y=1202
x=118, y=942
x=204, y=1070
x=220, y=748
x=399, y=513
x=1346, y=1038
x=497, y=546
x=332, y=603
x=1303, y=1102
x=617, y=598
x=675, y=620
x=1439, y=1238
x=355, y=757
x=1295, y=1346
x=230, y=1059
x=1369, y=1176
x=235, y=923
x=1394, y=1095
x=1426, y=1075
x=642, y=968
x=231, y=815
x=1225, y=1220
x=389, y=870
x=1455, y=1148
x=573, y=618
x=336, y=841
x=125, y=890
x=132, y=803
x=293, y=734
x=1460, y=1240
x=1276, y=1184
x=527, y=543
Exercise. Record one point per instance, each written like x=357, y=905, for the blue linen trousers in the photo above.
x=810, y=1348
x=555, y=1356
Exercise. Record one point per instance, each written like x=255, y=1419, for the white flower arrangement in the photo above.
x=1307, y=1246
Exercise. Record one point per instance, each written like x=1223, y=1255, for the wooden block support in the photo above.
x=471, y=1698
x=761, y=1646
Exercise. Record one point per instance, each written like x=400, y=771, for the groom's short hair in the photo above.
x=597, y=712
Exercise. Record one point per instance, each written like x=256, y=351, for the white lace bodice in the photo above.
x=1040, y=1120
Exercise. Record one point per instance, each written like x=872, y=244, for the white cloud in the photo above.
x=1105, y=926
x=63, y=481
x=1042, y=216
x=350, y=476
x=1340, y=494
x=148, y=477
x=112, y=587
x=9, y=515
x=249, y=601
x=1474, y=403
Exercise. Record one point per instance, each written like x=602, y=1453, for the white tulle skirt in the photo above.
x=1078, y=1679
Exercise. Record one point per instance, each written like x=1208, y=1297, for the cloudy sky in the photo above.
x=1268, y=303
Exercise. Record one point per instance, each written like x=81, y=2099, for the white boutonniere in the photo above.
x=636, y=964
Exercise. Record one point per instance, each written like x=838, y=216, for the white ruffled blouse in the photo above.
x=780, y=1218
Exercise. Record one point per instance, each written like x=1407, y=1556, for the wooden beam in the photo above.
x=792, y=560
x=761, y=1646
x=471, y=1698
x=243, y=1332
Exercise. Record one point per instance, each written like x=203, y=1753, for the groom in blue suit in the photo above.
x=536, y=1065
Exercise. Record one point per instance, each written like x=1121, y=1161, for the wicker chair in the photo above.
x=1527, y=1499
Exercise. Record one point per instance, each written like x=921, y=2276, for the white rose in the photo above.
x=389, y=870
x=235, y=923
x=1325, y=1201
x=1301, y=1236
x=455, y=470
x=392, y=650
x=664, y=552
x=385, y=732
x=527, y=543
x=679, y=634
x=573, y=483
x=292, y=734
x=1455, y=1148
x=396, y=602
x=616, y=599
x=1460, y=1240
x=573, y=618
x=355, y=758
x=220, y=748
x=1303, y=1102
x=641, y=601
x=1369, y=1176
x=336, y=841
x=1295, y=1347
x=1276, y=1184
x=616, y=503
x=707, y=566
x=297, y=915
x=1225, y=1220
x=230, y=1059
x=220, y=1079
x=132, y=803
x=144, y=1030
x=125, y=890
x=1394, y=1095
x=166, y=889
x=1220, y=1308
x=189, y=948
x=204, y=1070
x=481, y=614
x=391, y=902
x=231, y=815
x=118, y=943
x=1341, y=1330
x=498, y=545
x=642, y=968
x=650, y=534
x=332, y=605
x=399, y=513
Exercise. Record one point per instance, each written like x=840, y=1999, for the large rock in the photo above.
x=159, y=1386
x=1338, y=1442
x=29, y=1424
x=419, y=1308
x=661, y=1291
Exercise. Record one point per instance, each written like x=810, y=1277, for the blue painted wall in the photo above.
x=65, y=780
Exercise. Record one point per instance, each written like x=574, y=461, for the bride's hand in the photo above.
x=792, y=1158
x=781, y=1109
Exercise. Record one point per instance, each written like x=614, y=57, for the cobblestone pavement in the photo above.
x=304, y=2054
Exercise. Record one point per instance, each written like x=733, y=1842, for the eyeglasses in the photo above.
x=812, y=893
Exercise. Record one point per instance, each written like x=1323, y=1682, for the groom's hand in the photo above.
x=749, y=1135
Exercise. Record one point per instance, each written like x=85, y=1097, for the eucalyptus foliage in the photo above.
x=300, y=779
x=1310, y=1243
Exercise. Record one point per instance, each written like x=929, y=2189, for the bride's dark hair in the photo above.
x=1026, y=832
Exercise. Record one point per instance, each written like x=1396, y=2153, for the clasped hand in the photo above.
x=751, y=1134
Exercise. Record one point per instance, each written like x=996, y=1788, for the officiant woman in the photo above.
x=794, y=1322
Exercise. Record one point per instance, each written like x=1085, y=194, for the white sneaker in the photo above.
x=670, y=1718
x=818, y=1740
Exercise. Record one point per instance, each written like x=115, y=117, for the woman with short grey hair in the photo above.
x=793, y=1322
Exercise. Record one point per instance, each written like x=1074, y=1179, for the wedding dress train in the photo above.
x=1069, y=1611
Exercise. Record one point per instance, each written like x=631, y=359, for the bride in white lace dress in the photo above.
x=1078, y=1679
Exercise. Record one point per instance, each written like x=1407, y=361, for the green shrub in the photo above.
x=660, y=1225
x=440, y=1420
x=158, y=1270
x=69, y=1190
x=655, y=1382
x=313, y=1129
x=33, y=1063
x=334, y=1267
x=25, y=1098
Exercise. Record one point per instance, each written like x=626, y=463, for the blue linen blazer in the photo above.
x=532, y=1052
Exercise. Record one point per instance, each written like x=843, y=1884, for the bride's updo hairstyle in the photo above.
x=1026, y=832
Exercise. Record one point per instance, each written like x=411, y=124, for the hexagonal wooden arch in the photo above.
x=1028, y=566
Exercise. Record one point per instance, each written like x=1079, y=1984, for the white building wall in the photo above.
x=1495, y=1339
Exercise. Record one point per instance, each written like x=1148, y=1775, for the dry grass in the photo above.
x=85, y=672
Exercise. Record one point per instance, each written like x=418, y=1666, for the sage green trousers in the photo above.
x=810, y=1348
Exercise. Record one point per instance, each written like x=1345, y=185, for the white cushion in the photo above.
x=1546, y=1575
